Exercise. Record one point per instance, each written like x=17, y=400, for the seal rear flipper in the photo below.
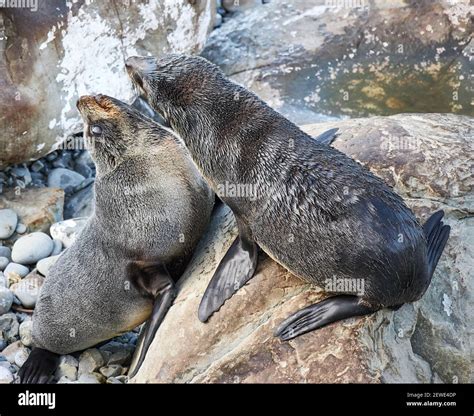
x=327, y=137
x=39, y=367
x=235, y=269
x=437, y=235
x=151, y=279
x=320, y=314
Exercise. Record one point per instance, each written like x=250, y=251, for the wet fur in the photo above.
x=148, y=194
x=318, y=213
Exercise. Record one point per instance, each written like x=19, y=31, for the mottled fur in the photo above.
x=318, y=212
x=151, y=204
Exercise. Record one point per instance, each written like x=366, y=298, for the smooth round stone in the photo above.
x=16, y=268
x=68, y=230
x=26, y=329
x=3, y=280
x=6, y=252
x=58, y=246
x=3, y=263
x=31, y=248
x=27, y=290
x=8, y=222
x=64, y=178
x=20, y=228
x=44, y=265
x=21, y=356
x=6, y=300
x=6, y=376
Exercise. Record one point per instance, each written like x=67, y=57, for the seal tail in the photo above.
x=437, y=235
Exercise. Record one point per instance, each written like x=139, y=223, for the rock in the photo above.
x=58, y=246
x=20, y=228
x=6, y=300
x=427, y=159
x=13, y=349
x=9, y=326
x=6, y=252
x=27, y=290
x=3, y=263
x=32, y=248
x=21, y=356
x=65, y=179
x=232, y=6
x=81, y=46
x=218, y=21
x=16, y=269
x=121, y=357
x=44, y=265
x=67, y=368
x=36, y=208
x=8, y=221
x=113, y=370
x=84, y=164
x=90, y=361
x=6, y=377
x=80, y=204
x=26, y=328
x=356, y=59
x=65, y=380
x=67, y=231
x=92, y=378
x=3, y=280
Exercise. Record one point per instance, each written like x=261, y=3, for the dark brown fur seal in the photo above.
x=151, y=208
x=314, y=210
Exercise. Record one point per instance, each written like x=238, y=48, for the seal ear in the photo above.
x=151, y=280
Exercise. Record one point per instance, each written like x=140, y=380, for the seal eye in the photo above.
x=96, y=130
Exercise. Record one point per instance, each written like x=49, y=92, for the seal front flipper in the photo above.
x=320, y=314
x=153, y=280
x=235, y=269
x=327, y=137
x=39, y=367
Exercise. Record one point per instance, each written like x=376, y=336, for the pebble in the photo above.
x=6, y=376
x=113, y=370
x=21, y=356
x=6, y=252
x=11, y=351
x=3, y=343
x=26, y=330
x=65, y=179
x=31, y=248
x=66, y=380
x=8, y=221
x=121, y=357
x=90, y=361
x=3, y=263
x=6, y=300
x=92, y=378
x=9, y=326
x=67, y=368
x=58, y=246
x=44, y=265
x=3, y=280
x=15, y=268
x=20, y=228
x=27, y=290
x=67, y=231
x=37, y=166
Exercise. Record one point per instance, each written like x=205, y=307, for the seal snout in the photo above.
x=97, y=105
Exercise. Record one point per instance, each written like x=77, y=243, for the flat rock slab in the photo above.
x=422, y=342
x=36, y=208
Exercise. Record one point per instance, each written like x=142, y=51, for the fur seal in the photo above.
x=151, y=208
x=314, y=210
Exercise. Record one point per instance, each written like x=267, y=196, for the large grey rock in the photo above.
x=67, y=368
x=90, y=361
x=307, y=58
x=66, y=49
x=6, y=300
x=427, y=159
